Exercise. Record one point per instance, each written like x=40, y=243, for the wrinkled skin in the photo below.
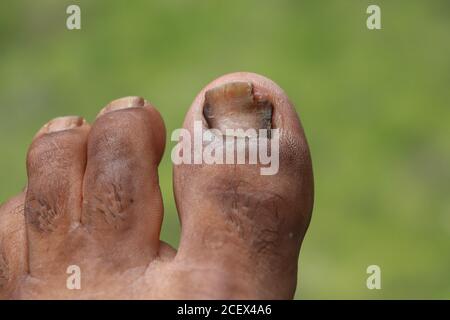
x=93, y=201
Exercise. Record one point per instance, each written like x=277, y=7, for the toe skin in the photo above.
x=234, y=217
x=13, y=247
x=55, y=164
x=122, y=203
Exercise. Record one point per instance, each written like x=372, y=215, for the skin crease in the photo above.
x=93, y=200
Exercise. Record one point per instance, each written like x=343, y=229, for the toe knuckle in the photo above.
x=42, y=213
x=251, y=212
x=109, y=202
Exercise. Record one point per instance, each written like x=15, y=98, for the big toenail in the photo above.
x=63, y=123
x=233, y=105
x=123, y=103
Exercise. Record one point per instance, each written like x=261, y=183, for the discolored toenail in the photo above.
x=234, y=105
x=123, y=103
x=62, y=123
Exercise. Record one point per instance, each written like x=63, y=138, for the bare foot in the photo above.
x=93, y=201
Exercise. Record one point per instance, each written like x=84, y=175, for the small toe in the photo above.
x=122, y=203
x=56, y=162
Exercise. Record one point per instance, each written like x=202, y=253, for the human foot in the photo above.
x=93, y=201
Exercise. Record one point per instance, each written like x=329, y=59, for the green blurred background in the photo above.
x=374, y=105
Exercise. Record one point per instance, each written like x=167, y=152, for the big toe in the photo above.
x=245, y=216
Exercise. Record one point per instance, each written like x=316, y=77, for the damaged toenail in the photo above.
x=233, y=105
x=63, y=123
x=124, y=103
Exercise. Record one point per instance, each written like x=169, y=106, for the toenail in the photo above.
x=124, y=103
x=233, y=105
x=63, y=123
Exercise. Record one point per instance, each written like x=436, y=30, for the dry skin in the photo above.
x=93, y=200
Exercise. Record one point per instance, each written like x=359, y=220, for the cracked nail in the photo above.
x=233, y=105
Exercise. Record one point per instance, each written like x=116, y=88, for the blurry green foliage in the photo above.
x=374, y=104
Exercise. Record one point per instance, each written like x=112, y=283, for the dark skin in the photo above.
x=93, y=200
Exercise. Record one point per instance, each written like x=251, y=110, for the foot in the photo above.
x=93, y=201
